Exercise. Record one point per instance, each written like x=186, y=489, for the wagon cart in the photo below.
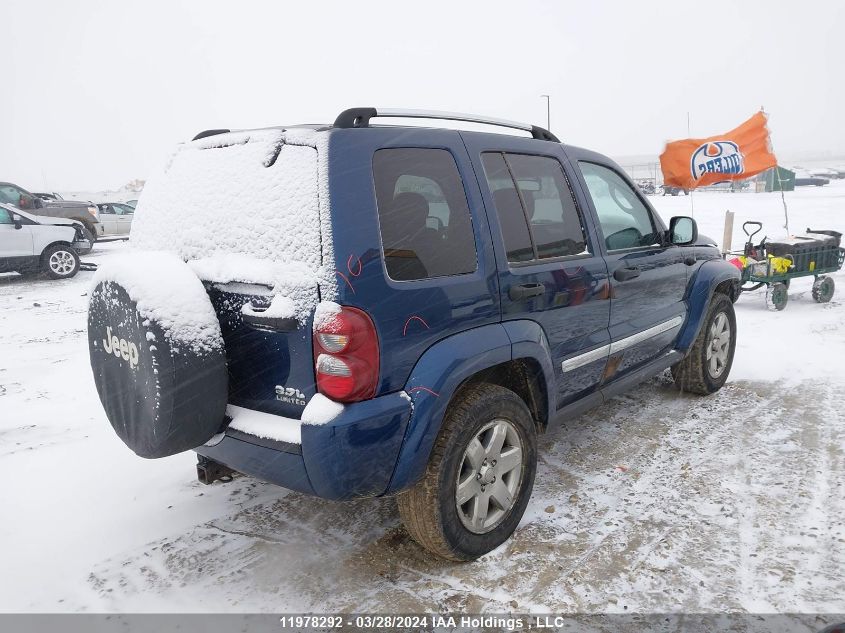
x=775, y=263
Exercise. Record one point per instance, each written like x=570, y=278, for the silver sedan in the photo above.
x=115, y=219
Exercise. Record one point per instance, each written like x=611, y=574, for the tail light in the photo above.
x=346, y=356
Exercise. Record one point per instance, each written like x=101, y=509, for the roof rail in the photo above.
x=209, y=133
x=360, y=117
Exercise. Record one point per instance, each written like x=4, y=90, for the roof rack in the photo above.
x=208, y=133
x=360, y=117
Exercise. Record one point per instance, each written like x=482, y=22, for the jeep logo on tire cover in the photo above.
x=121, y=348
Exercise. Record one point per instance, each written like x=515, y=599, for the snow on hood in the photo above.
x=250, y=207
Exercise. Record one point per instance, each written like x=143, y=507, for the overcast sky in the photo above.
x=94, y=93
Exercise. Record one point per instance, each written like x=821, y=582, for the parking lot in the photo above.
x=654, y=502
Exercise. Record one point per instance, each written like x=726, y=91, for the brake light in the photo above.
x=346, y=356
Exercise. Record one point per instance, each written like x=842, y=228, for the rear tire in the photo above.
x=705, y=368
x=823, y=289
x=60, y=261
x=486, y=452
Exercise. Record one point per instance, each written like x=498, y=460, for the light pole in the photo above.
x=548, y=112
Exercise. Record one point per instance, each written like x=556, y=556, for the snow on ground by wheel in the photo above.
x=654, y=502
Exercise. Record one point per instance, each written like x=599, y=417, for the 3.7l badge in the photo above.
x=291, y=395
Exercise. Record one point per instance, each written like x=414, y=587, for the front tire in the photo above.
x=705, y=369
x=479, y=477
x=60, y=262
x=777, y=296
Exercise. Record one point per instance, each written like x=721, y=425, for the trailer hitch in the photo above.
x=209, y=471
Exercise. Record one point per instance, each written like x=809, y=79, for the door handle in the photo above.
x=258, y=321
x=690, y=260
x=521, y=292
x=624, y=274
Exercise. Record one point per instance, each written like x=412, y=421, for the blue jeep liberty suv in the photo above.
x=470, y=291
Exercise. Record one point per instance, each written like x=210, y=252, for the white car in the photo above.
x=115, y=219
x=31, y=244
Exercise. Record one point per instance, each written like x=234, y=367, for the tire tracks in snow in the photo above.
x=659, y=503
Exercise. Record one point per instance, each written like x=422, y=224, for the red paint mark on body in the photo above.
x=357, y=265
x=412, y=318
x=348, y=283
x=426, y=389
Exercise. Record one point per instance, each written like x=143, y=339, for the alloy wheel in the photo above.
x=489, y=476
x=718, y=345
x=62, y=262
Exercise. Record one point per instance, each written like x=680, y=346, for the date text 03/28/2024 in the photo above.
x=509, y=623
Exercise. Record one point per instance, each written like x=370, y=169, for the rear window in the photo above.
x=426, y=229
x=245, y=195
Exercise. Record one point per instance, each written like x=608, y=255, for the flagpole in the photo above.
x=783, y=199
x=780, y=183
x=691, y=203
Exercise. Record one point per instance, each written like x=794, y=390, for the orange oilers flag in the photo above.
x=735, y=155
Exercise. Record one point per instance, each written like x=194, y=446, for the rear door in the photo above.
x=123, y=215
x=108, y=219
x=549, y=268
x=648, y=276
x=412, y=241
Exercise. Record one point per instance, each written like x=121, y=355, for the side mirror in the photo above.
x=683, y=231
x=38, y=203
x=17, y=220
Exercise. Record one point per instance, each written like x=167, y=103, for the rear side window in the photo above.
x=509, y=208
x=426, y=229
x=535, y=206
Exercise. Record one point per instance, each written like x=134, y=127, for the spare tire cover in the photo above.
x=164, y=390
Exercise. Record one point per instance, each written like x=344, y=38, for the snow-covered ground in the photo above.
x=654, y=502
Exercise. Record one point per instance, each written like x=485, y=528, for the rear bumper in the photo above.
x=354, y=455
